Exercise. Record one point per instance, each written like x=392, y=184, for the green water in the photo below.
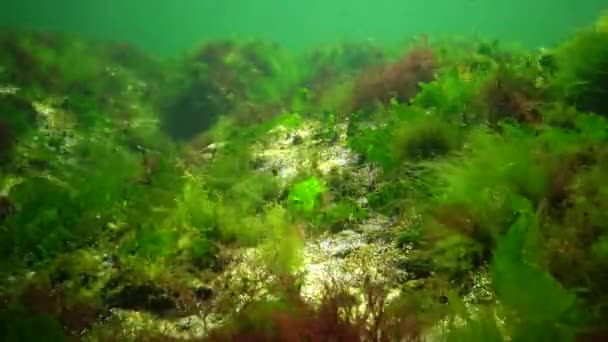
x=167, y=27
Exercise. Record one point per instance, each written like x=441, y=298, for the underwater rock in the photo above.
x=416, y=268
x=194, y=110
x=297, y=139
x=244, y=279
x=281, y=156
x=145, y=297
x=348, y=258
x=290, y=151
x=415, y=284
x=335, y=157
x=481, y=290
x=203, y=293
x=342, y=244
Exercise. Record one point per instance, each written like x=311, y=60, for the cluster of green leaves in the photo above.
x=63, y=208
x=339, y=215
x=304, y=196
x=224, y=202
x=374, y=145
x=509, y=198
x=543, y=311
x=404, y=146
x=582, y=70
x=489, y=173
x=475, y=191
x=545, y=303
x=514, y=196
x=73, y=179
x=204, y=217
x=425, y=138
x=322, y=206
x=408, y=135
x=453, y=95
x=396, y=193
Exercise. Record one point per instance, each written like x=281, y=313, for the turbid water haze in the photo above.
x=168, y=27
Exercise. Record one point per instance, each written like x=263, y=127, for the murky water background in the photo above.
x=169, y=27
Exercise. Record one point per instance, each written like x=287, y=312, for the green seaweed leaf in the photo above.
x=521, y=285
x=304, y=196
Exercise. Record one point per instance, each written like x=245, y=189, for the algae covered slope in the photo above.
x=450, y=189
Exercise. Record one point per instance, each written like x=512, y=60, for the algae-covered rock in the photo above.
x=144, y=297
x=417, y=268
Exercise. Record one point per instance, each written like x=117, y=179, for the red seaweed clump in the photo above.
x=333, y=63
x=74, y=314
x=507, y=95
x=399, y=80
x=337, y=318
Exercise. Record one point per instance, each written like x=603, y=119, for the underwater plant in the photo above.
x=340, y=316
x=425, y=137
x=453, y=95
x=374, y=146
x=72, y=206
x=304, y=196
x=475, y=193
x=409, y=135
x=509, y=95
x=400, y=80
x=582, y=70
x=342, y=214
x=544, y=308
x=227, y=78
x=6, y=140
x=18, y=116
